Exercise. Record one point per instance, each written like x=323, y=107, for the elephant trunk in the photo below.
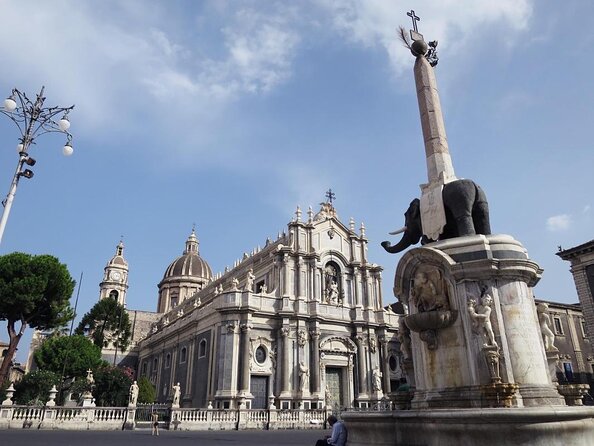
x=406, y=241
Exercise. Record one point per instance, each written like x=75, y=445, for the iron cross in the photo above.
x=330, y=196
x=414, y=19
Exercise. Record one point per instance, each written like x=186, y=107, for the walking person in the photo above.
x=338, y=436
x=155, y=423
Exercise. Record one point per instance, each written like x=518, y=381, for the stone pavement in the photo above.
x=143, y=437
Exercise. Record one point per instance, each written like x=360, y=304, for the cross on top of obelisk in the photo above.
x=331, y=196
x=414, y=19
x=414, y=33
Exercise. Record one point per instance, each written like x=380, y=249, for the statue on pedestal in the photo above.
x=544, y=321
x=133, y=394
x=481, y=316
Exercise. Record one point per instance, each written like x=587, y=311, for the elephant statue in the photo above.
x=466, y=210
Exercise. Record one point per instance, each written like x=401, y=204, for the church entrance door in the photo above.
x=259, y=388
x=334, y=385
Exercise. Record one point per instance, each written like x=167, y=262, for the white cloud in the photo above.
x=586, y=209
x=560, y=222
x=375, y=22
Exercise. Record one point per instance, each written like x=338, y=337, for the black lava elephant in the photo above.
x=466, y=209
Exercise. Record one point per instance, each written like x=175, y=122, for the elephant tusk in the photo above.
x=399, y=231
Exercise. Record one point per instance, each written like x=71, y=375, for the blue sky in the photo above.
x=229, y=114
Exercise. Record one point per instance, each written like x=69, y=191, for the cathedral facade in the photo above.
x=299, y=323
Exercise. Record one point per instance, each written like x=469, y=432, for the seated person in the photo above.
x=339, y=433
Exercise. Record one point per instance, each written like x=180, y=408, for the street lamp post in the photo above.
x=33, y=120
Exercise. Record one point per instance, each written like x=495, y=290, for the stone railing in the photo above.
x=64, y=418
x=221, y=419
x=117, y=418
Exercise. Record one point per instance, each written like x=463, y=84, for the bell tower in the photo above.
x=115, y=277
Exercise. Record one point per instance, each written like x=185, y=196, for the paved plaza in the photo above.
x=144, y=438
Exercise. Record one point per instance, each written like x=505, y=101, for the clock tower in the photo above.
x=115, y=277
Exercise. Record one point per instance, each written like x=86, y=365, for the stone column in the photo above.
x=317, y=296
x=315, y=359
x=190, y=366
x=385, y=365
x=245, y=363
x=301, y=277
x=357, y=287
x=361, y=366
x=284, y=332
x=286, y=275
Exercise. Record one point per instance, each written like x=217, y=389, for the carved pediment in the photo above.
x=337, y=344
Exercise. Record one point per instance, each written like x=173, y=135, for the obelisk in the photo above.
x=440, y=169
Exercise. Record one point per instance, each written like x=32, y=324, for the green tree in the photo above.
x=34, y=388
x=73, y=354
x=107, y=323
x=35, y=292
x=146, y=391
x=112, y=386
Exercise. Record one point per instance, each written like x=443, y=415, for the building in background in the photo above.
x=576, y=356
x=581, y=259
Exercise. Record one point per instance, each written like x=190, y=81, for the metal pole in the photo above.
x=12, y=191
x=71, y=327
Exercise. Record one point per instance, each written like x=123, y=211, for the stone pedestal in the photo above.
x=534, y=426
x=553, y=363
x=473, y=324
x=573, y=393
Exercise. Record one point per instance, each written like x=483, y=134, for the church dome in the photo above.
x=190, y=264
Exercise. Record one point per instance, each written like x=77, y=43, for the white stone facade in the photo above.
x=299, y=323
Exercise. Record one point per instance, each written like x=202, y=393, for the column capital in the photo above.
x=245, y=327
x=315, y=333
x=284, y=331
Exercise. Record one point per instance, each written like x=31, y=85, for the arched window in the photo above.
x=332, y=283
x=182, y=355
x=113, y=294
x=168, y=360
x=202, y=349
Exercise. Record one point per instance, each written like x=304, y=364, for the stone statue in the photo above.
x=249, y=283
x=303, y=376
x=327, y=396
x=545, y=327
x=133, y=394
x=301, y=338
x=377, y=379
x=424, y=294
x=176, y=395
x=333, y=292
x=372, y=344
x=89, y=378
x=404, y=338
x=481, y=316
x=234, y=284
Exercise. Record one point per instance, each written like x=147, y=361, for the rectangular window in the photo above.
x=583, y=325
x=568, y=370
x=259, y=286
x=558, y=326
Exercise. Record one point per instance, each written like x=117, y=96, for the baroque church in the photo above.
x=299, y=323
